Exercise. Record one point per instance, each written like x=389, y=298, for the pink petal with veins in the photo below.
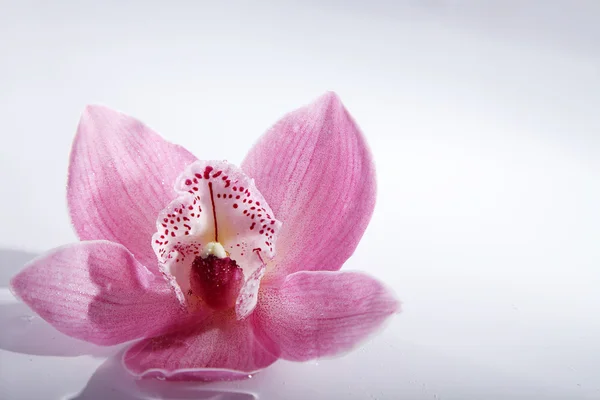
x=316, y=172
x=320, y=313
x=98, y=292
x=120, y=177
x=215, y=348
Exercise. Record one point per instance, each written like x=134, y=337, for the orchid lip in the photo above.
x=213, y=241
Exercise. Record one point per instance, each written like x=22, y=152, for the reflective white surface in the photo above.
x=485, y=126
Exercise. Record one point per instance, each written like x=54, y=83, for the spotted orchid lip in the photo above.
x=306, y=194
x=217, y=203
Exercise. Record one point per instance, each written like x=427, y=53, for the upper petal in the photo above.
x=319, y=313
x=316, y=172
x=121, y=175
x=215, y=348
x=98, y=292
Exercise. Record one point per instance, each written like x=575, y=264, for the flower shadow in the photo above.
x=111, y=380
x=23, y=331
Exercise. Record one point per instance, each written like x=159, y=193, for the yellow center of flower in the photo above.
x=215, y=249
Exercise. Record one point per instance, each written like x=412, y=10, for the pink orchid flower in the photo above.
x=219, y=274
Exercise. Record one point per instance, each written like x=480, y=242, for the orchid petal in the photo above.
x=98, y=292
x=121, y=175
x=215, y=348
x=217, y=202
x=316, y=172
x=316, y=314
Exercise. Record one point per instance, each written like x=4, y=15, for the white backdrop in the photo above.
x=484, y=121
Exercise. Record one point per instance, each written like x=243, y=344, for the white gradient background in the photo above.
x=484, y=121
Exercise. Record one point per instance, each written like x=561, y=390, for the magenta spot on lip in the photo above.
x=207, y=171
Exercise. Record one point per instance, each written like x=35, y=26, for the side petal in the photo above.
x=216, y=348
x=317, y=314
x=96, y=291
x=315, y=171
x=121, y=175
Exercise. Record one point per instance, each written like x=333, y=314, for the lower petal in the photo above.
x=97, y=291
x=217, y=348
x=316, y=314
